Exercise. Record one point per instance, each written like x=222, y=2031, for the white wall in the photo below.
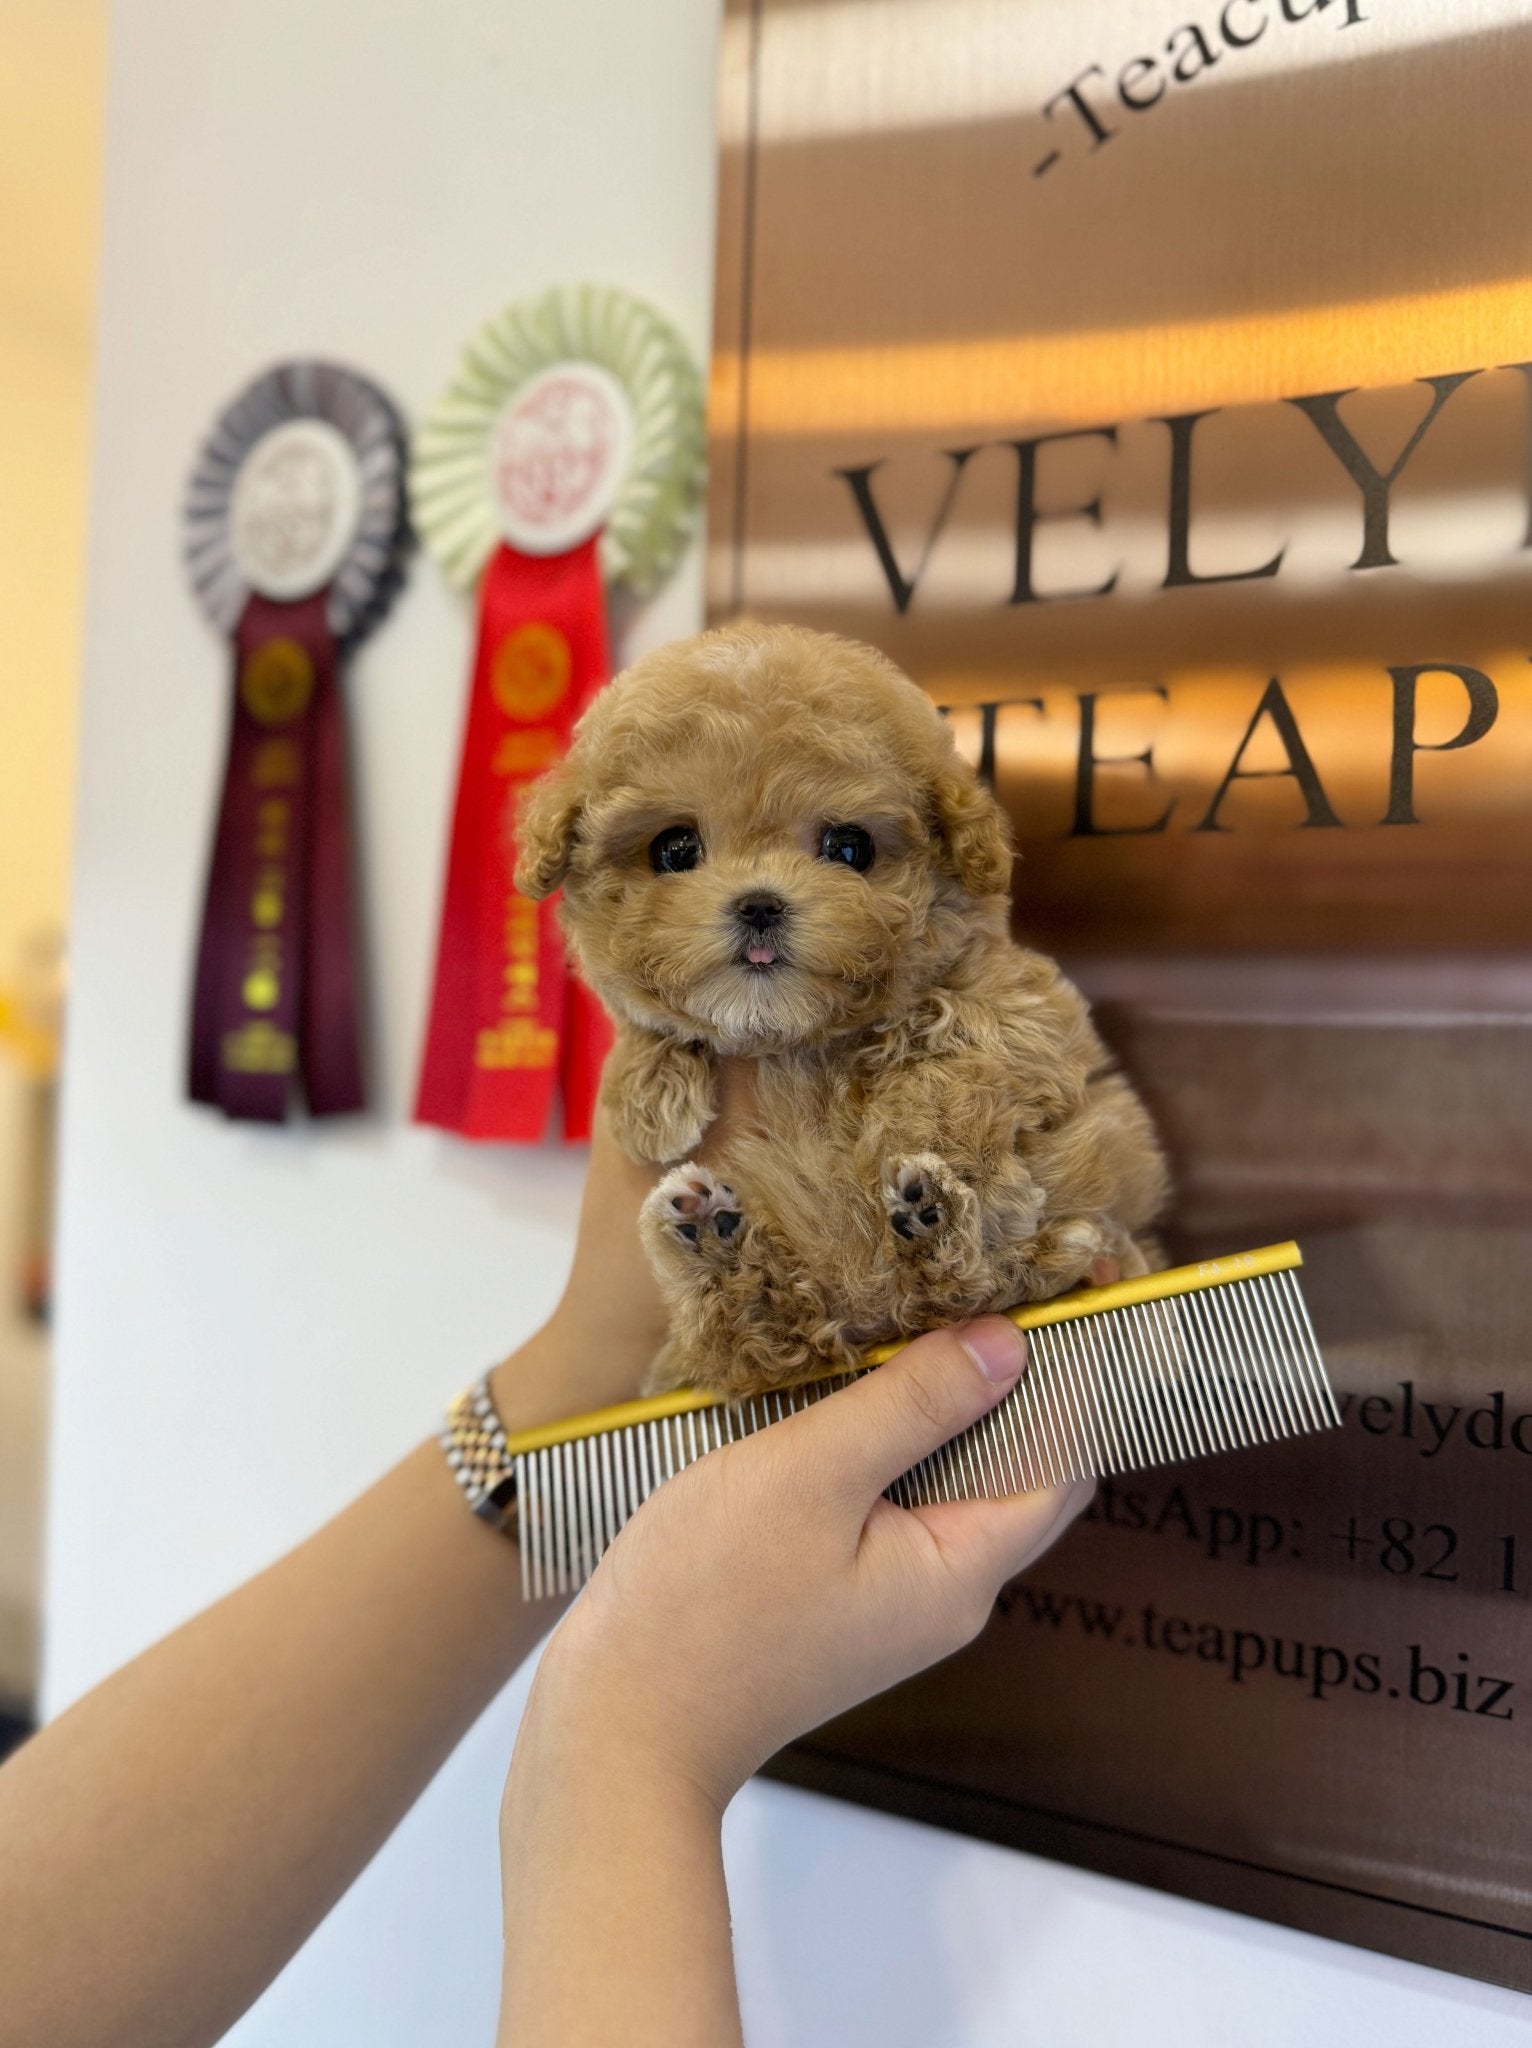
x=254, y=1323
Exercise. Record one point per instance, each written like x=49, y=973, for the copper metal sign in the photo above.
x=1154, y=385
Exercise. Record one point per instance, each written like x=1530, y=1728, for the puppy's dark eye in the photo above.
x=848, y=844
x=674, y=850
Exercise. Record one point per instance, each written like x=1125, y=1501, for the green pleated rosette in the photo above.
x=656, y=504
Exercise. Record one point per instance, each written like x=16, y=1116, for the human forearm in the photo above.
x=616, y=1913
x=760, y=1592
x=167, y=1844
x=173, y=1838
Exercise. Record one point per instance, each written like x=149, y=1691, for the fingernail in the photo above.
x=996, y=1347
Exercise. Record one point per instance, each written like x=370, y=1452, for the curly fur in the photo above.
x=937, y=1128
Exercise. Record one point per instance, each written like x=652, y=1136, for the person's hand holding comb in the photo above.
x=761, y=1591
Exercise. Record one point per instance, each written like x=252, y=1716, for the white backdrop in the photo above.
x=290, y=176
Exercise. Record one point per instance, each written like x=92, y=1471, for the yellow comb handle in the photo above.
x=1084, y=1301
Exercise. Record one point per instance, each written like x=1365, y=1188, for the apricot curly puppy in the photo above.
x=769, y=847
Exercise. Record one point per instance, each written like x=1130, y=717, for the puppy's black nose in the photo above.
x=761, y=912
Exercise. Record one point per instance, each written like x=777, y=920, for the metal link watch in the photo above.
x=473, y=1441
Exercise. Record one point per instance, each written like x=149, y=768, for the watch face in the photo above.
x=294, y=509
x=558, y=454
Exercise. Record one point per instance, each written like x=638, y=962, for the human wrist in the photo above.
x=603, y=1771
x=570, y=1365
x=601, y=1714
x=528, y=1379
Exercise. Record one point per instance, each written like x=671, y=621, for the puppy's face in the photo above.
x=764, y=840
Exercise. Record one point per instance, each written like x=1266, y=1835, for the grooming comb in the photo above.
x=1143, y=1372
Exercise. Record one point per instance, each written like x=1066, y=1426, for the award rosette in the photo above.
x=294, y=524
x=566, y=454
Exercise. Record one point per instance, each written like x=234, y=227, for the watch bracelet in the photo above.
x=473, y=1443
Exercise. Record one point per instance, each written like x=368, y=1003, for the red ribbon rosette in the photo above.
x=293, y=528
x=565, y=456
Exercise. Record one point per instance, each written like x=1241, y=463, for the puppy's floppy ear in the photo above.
x=547, y=826
x=975, y=840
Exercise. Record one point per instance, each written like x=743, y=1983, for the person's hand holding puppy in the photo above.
x=763, y=1590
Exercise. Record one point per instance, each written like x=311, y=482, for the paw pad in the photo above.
x=698, y=1206
x=913, y=1194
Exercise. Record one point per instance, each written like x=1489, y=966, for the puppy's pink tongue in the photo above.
x=759, y=955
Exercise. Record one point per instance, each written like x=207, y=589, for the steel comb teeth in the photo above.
x=1179, y=1364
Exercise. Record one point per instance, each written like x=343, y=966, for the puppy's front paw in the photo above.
x=926, y=1201
x=1064, y=1254
x=691, y=1215
x=658, y=1094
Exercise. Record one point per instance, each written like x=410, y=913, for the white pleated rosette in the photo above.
x=299, y=486
x=654, y=501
